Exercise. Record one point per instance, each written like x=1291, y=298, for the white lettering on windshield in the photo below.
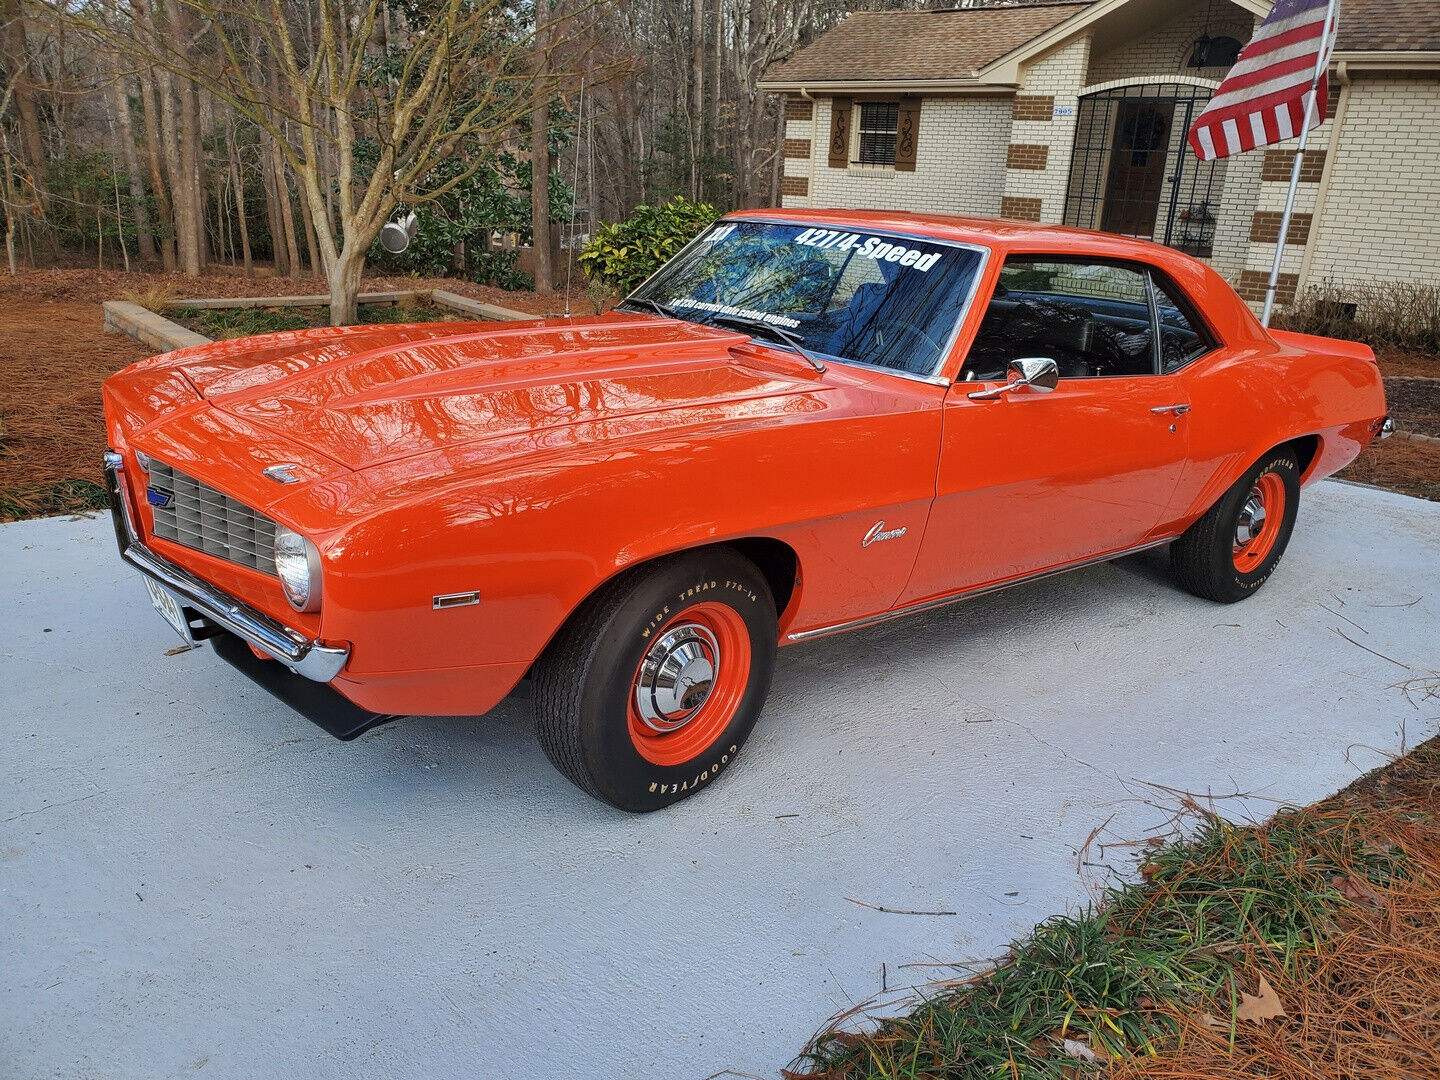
x=731, y=309
x=871, y=247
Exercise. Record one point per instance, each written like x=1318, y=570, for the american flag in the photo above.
x=1265, y=97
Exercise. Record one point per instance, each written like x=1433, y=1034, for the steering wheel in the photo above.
x=900, y=331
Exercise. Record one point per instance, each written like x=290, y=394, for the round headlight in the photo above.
x=298, y=564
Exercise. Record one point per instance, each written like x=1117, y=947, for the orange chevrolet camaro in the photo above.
x=805, y=422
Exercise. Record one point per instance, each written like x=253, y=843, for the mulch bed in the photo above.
x=1411, y=468
x=54, y=356
x=1414, y=404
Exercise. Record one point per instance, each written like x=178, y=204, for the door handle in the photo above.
x=1178, y=410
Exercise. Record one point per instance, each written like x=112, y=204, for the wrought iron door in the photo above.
x=1133, y=172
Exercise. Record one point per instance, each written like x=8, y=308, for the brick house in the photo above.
x=1076, y=112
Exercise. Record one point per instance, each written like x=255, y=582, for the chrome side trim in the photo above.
x=969, y=594
x=300, y=654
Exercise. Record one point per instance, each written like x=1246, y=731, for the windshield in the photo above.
x=865, y=297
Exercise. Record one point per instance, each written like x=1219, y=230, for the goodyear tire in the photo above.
x=1234, y=548
x=650, y=690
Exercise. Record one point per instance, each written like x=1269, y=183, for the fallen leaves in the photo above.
x=1355, y=890
x=1264, y=1006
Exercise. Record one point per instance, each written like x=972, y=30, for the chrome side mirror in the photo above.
x=1039, y=373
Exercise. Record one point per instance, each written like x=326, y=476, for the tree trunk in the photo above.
x=10, y=199
x=287, y=212
x=272, y=209
x=22, y=87
x=237, y=181
x=540, y=196
x=308, y=221
x=697, y=91
x=163, y=210
x=181, y=190
x=144, y=239
x=344, y=278
x=714, y=119
x=192, y=227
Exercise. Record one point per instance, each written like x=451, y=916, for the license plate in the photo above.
x=169, y=608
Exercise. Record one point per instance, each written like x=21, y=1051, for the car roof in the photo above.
x=1206, y=289
x=986, y=232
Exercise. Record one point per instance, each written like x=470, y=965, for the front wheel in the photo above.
x=1233, y=549
x=652, y=687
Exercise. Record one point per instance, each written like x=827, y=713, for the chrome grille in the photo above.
x=202, y=518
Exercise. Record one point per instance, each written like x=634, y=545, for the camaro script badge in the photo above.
x=878, y=532
x=282, y=474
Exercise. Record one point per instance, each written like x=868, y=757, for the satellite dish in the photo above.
x=395, y=236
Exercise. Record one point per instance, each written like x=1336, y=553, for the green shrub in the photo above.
x=624, y=253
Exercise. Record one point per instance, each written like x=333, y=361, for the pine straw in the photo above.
x=1337, y=906
x=54, y=356
x=1403, y=465
x=1366, y=1001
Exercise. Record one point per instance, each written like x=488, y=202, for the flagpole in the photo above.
x=1322, y=61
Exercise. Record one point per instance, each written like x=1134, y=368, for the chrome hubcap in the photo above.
x=676, y=677
x=1252, y=519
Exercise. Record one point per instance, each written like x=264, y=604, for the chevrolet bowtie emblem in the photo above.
x=282, y=474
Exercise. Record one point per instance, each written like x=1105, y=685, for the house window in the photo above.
x=879, y=125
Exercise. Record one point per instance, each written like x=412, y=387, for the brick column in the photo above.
x=799, y=145
x=1042, y=134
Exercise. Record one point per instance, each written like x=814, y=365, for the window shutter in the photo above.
x=840, y=109
x=907, y=134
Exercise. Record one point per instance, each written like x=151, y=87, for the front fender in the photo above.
x=534, y=529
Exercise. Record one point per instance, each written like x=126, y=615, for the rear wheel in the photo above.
x=652, y=687
x=1233, y=549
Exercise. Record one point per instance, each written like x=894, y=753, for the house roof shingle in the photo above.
x=1389, y=26
x=928, y=46
x=903, y=46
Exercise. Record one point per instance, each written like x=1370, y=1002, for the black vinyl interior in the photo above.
x=1086, y=337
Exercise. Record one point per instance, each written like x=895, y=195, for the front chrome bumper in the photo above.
x=300, y=654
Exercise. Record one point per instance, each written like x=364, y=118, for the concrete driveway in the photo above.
x=197, y=882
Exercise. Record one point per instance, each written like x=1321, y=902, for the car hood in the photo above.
x=365, y=396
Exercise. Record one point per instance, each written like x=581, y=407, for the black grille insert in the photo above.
x=207, y=520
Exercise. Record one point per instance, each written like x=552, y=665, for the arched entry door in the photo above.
x=1132, y=172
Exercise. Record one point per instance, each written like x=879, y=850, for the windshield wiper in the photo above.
x=778, y=333
x=654, y=305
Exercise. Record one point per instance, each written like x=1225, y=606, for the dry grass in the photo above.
x=1337, y=906
x=156, y=296
x=1366, y=1002
x=1402, y=316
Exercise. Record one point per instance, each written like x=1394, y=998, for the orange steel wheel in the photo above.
x=689, y=683
x=1261, y=517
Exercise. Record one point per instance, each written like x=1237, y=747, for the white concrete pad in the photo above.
x=194, y=880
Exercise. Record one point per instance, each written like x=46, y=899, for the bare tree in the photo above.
x=463, y=77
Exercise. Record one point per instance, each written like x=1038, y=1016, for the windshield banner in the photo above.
x=869, y=247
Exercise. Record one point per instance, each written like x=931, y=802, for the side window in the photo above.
x=1180, y=340
x=1092, y=319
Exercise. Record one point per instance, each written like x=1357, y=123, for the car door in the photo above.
x=1030, y=481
